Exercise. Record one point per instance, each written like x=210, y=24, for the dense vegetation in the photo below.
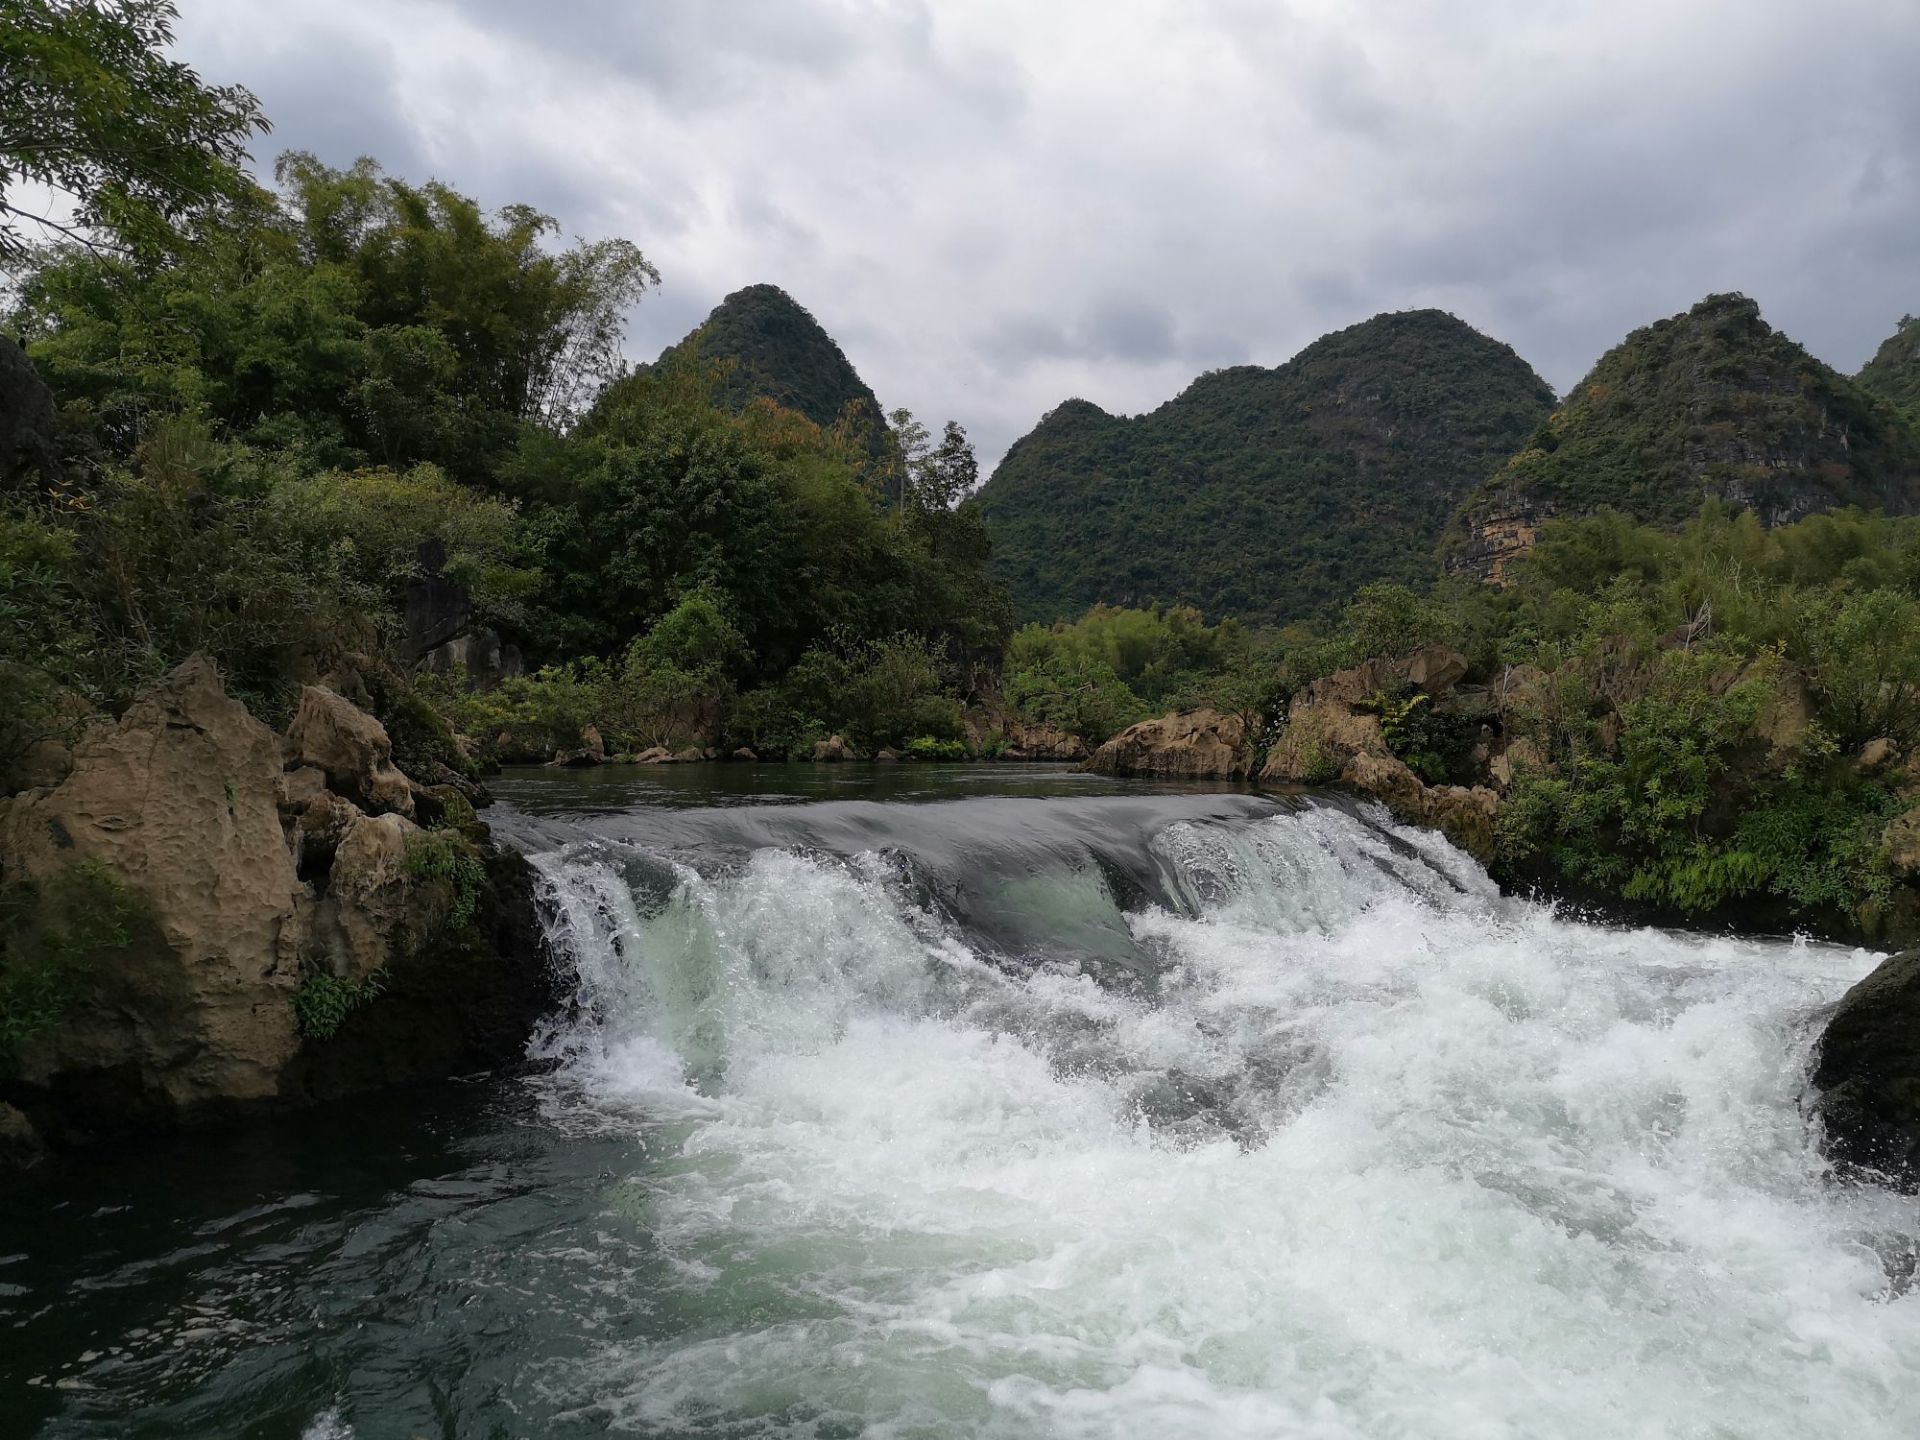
x=275, y=427
x=1894, y=371
x=1719, y=716
x=765, y=345
x=1714, y=403
x=281, y=412
x=1265, y=494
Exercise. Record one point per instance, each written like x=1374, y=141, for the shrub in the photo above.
x=323, y=1002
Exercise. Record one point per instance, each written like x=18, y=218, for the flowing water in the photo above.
x=924, y=1103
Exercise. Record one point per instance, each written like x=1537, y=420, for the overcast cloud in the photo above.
x=997, y=204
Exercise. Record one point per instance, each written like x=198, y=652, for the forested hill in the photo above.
x=774, y=348
x=1267, y=494
x=1894, y=372
x=1714, y=403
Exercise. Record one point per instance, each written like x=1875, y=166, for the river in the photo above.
x=980, y=1101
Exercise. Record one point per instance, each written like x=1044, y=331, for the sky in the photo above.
x=995, y=205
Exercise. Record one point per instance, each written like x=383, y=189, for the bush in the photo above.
x=323, y=1002
x=52, y=935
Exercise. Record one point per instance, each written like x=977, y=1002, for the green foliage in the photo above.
x=350, y=320
x=1713, y=402
x=1433, y=744
x=94, y=109
x=1894, y=372
x=323, y=1002
x=1115, y=666
x=926, y=747
x=1269, y=495
x=446, y=856
x=767, y=347
x=53, y=935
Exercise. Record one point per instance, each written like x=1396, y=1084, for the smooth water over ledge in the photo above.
x=977, y=1101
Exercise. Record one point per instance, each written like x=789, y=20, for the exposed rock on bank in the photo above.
x=283, y=929
x=1334, y=733
x=1868, y=1073
x=1196, y=745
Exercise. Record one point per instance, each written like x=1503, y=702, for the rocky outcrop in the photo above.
x=1868, y=1074
x=29, y=422
x=351, y=748
x=1196, y=745
x=832, y=750
x=248, y=868
x=592, y=750
x=1334, y=734
x=1044, y=743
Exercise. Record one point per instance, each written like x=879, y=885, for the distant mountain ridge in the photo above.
x=1267, y=494
x=776, y=350
x=1710, y=404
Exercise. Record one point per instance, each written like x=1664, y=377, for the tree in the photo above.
x=92, y=109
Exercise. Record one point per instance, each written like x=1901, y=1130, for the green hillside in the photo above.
x=775, y=349
x=1894, y=372
x=1714, y=403
x=1267, y=494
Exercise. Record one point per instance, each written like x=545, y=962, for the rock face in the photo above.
x=1044, y=743
x=1868, y=1073
x=178, y=800
x=29, y=421
x=1196, y=745
x=1334, y=734
x=255, y=872
x=351, y=748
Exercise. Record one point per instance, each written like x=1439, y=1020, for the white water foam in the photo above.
x=1376, y=1153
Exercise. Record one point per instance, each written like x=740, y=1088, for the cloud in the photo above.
x=996, y=205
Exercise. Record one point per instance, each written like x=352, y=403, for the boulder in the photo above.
x=1196, y=745
x=1867, y=1071
x=1875, y=755
x=1044, y=743
x=1902, y=841
x=177, y=802
x=1435, y=669
x=886, y=755
x=371, y=914
x=20, y=1143
x=654, y=755
x=745, y=753
x=691, y=755
x=592, y=750
x=228, y=884
x=832, y=749
x=351, y=749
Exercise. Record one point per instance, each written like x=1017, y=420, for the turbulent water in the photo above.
x=1064, y=1114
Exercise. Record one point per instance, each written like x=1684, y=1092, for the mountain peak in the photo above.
x=1265, y=493
x=1713, y=403
x=778, y=351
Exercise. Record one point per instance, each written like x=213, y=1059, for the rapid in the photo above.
x=1053, y=1108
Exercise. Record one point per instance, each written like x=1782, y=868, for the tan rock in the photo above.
x=1196, y=745
x=20, y=1143
x=1436, y=669
x=833, y=749
x=654, y=755
x=351, y=748
x=1876, y=754
x=1902, y=840
x=886, y=756
x=371, y=914
x=1044, y=743
x=1319, y=738
x=745, y=753
x=177, y=801
x=1520, y=755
